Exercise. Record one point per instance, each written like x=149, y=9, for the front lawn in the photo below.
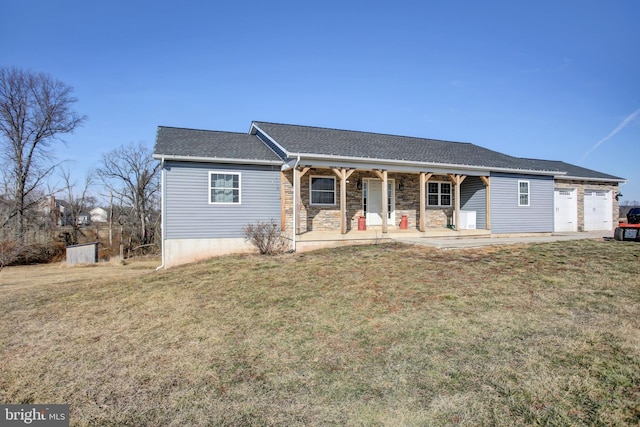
x=389, y=334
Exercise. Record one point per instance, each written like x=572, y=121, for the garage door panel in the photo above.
x=597, y=210
x=565, y=210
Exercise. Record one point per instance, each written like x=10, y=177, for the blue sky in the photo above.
x=558, y=80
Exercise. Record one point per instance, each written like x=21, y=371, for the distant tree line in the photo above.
x=36, y=111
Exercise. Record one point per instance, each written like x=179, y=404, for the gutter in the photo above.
x=163, y=157
x=422, y=165
x=620, y=184
x=162, y=216
x=620, y=181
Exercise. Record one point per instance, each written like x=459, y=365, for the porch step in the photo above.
x=375, y=233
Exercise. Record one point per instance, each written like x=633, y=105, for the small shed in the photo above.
x=82, y=254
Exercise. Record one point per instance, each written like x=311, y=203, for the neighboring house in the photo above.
x=58, y=211
x=98, y=215
x=83, y=218
x=328, y=184
x=61, y=214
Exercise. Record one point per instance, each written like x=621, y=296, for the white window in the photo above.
x=323, y=190
x=439, y=193
x=523, y=193
x=224, y=188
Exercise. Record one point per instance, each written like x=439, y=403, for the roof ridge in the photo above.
x=542, y=160
x=366, y=132
x=203, y=130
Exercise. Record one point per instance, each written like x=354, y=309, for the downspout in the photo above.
x=162, y=218
x=295, y=203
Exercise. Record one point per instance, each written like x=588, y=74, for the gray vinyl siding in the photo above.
x=188, y=213
x=508, y=217
x=473, y=197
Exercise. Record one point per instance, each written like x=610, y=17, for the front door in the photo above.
x=372, y=201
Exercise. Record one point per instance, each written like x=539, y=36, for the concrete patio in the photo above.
x=322, y=239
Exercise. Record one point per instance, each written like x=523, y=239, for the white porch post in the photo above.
x=424, y=177
x=457, y=180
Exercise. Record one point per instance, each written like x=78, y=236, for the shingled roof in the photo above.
x=207, y=144
x=573, y=171
x=296, y=139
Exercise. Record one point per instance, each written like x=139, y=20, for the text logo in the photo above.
x=34, y=415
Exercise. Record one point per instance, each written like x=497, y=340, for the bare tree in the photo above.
x=10, y=249
x=78, y=201
x=35, y=110
x=133, y=176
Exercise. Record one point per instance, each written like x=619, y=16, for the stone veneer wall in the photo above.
x=287, y=182
x=324, y=218
x=580, y=186
x=311, y=217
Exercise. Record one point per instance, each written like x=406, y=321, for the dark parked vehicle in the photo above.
x=633, y=216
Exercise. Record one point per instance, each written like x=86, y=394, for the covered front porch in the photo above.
x=344, y=204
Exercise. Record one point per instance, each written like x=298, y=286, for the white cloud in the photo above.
x=631, y=117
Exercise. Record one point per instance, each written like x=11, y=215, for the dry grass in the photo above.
x=56, y=274
x=545, y=334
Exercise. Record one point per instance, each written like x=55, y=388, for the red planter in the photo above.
x=362, y=223
x=404, y=223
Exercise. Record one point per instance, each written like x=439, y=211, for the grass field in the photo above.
x=543, y=334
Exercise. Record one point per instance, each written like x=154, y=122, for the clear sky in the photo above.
x=558, y=80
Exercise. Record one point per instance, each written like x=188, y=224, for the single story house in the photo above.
x=83, y=218
x=328, y=186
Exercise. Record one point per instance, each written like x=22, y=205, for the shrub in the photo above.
x=9, y=252
x=13, y=252
x=266, y=237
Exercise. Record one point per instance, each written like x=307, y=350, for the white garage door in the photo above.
x=597, y=210
x=566, y=210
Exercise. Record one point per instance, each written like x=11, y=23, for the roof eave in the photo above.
x=584, y=178
x=199, y=159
